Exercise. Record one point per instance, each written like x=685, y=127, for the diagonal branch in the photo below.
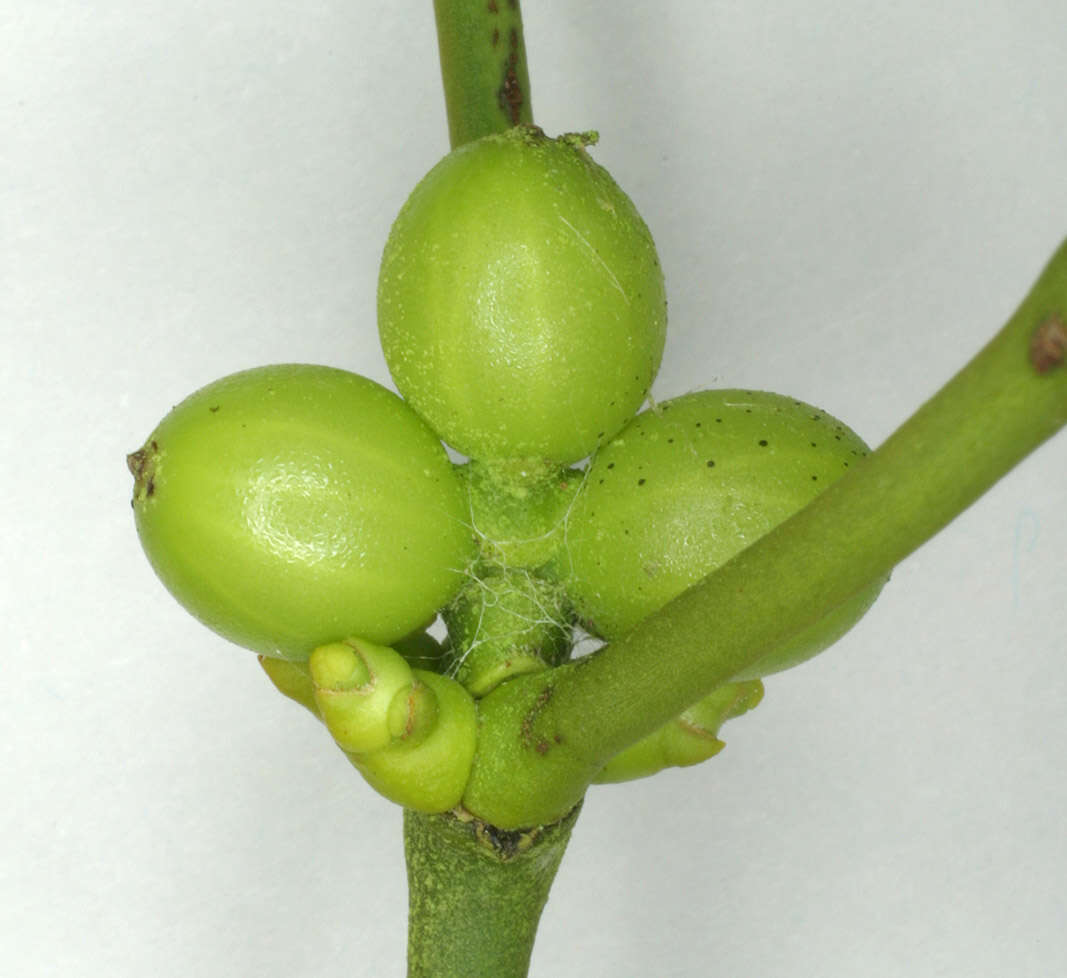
x=547, y=735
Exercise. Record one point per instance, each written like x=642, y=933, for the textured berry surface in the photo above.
x=520, y=303
x=294, y=505
x=687, y=485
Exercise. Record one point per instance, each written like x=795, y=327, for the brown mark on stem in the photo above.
x=509, y=95
x=505, y=844
x=530, y=738
x=1048, y=345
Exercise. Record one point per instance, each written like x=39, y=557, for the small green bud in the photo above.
x=338, y=667
x=413, y=713
x=428, y=772
x=355, y=682
x=291, y=679
x=688, y=739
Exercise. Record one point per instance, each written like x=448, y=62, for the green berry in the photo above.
x=291, y=506
x=687, y=485
x=427, y=769
x=520, y=302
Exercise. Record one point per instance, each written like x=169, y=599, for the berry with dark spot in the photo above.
x=718, y=489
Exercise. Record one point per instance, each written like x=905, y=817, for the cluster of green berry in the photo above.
x=315, y=517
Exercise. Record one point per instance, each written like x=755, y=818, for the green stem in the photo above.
x=556, y=729
x=476, y=894
x=483, y=67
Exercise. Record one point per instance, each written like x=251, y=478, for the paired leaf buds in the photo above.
x=409, y=732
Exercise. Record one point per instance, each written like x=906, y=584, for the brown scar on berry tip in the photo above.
x=142, y=466
x=140, y=462
x=1048, y=345
x=135, y=462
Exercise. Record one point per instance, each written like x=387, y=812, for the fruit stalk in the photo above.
x=1001, y=406
x=483, y=67
x=476, y=895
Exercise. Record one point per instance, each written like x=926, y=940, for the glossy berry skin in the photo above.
x=289, y=506
x=521, y=304
x=687, y=485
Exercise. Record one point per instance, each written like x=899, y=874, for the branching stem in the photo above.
x=1009, y=399
x=544, y=737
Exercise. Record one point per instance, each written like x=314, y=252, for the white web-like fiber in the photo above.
x=496, y=580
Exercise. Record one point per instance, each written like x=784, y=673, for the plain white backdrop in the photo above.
x=848, y=200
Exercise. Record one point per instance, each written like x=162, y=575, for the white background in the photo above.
x=848, y=199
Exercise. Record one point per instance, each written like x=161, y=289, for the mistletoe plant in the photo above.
x=313, y=516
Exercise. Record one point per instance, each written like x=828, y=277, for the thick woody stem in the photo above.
x=476, y=894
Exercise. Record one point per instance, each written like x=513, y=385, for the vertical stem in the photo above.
x=483, y=67
x=476, y=894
